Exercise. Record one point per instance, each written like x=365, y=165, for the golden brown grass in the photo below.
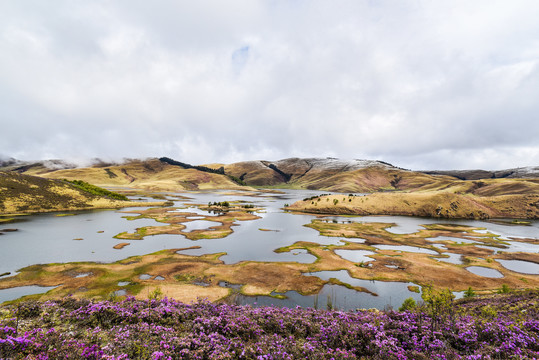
x=150, y=175
x=29, y=194
x=442, y=204
x=183, y=273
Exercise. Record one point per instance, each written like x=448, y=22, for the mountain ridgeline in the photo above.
x=327, y=174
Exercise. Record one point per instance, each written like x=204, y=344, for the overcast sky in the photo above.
x=420, y=84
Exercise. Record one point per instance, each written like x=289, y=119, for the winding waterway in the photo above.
x=89, y=236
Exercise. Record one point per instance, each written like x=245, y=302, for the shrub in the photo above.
x=96, y=190
x=408, y=304
x=469, y=293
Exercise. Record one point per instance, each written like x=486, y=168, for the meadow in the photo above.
x=504, y=326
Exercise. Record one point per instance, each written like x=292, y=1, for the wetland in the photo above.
x=255, y=252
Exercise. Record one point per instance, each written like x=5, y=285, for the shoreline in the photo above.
x=434, y=205
x=124, y=204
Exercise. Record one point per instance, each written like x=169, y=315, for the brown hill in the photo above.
x=515, y=173
x=329, y=174
x=438, y=204
x=21, y=193
x=150, y=174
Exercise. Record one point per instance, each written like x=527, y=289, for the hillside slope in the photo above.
x=21, y=193
x=327, y=174
x=311, y=173
x=514, y=173
x=150, y=174
x=438, y=204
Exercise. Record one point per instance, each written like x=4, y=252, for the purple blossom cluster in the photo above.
x=167, y=329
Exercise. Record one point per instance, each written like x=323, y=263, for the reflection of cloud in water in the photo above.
x=199, y=225
x=406, y=249
x=514, y=246
x=524, y=267
x=485, y=272
x=47, y=239
x=453, y=258
x=17, y=292
x=355, y=255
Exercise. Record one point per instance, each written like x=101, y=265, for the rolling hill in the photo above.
x=328, y=174
x=20, y=193
x=150, y=174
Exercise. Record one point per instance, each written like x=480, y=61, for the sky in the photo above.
x=421, y=84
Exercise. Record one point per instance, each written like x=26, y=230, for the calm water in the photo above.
x=47, y=238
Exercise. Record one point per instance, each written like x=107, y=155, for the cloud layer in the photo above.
x=421, y=84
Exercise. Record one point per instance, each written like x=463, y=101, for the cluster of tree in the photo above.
x=438, y=304
x=220, y=171
x=315, y=197
x=286, y=176
x=170, y=161
x=221, y=203
x=236, y=180
x=227, y=204
x=96, y=190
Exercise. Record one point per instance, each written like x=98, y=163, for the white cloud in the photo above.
x=418, y=83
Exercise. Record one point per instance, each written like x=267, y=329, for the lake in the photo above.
x=89, y=236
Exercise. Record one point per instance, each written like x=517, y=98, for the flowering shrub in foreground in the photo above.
x=166, y=329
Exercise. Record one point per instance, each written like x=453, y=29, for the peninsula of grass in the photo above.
x=266, y=278
x=435, y=204
x=176, y=223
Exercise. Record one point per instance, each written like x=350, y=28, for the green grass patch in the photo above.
x=96, y=190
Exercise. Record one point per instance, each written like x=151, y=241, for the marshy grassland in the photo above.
x=184, y=277
x=176, y=221
x=155, y=298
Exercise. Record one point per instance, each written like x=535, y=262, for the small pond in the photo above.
x=406, y=248
x=389, y=295
x=485, y=272
x=15, y=293
x=452, y=258
x=199, y=225
x=356, y=256
x=524, y=267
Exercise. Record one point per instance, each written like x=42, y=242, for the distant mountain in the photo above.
x=150, y=174
x=515, y=173
x=295, y=170
x=329, y=174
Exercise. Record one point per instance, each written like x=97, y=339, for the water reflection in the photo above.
x=46, y=238
x=388, y=295
x=15, y=293
x=406, y=248
x=524, y=267
x=356, y=256
x=485, y=272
